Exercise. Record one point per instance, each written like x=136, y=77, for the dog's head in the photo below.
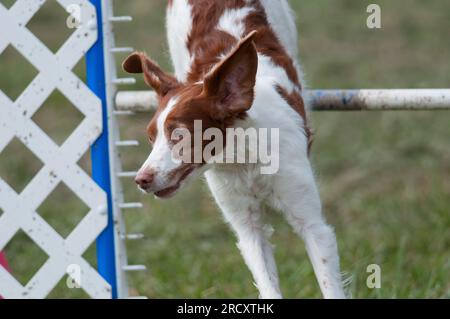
x=224, y=95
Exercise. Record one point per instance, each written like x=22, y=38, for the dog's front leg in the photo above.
x=244, y=215
x=298, y=197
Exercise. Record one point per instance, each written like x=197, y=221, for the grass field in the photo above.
x=384, y=177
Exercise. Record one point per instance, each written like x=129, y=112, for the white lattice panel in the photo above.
x=60, y=162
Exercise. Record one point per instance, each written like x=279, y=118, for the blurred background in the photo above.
x=384, y=177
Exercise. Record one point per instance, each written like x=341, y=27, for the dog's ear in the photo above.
x=231, y=82
x=154, y=76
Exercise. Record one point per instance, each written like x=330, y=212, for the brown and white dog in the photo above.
x=236, y=67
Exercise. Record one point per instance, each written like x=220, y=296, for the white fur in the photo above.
x=239, y=189
x=179, y=25
x=160, y=159
x=232, y=21
x=282, y=20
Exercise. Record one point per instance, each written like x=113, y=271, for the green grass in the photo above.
x=384, y=177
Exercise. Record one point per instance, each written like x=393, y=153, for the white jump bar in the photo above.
x=136, y=101
x=327, y=100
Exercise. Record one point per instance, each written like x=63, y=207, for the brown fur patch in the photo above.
x=267, y=43
x=194, y=105
x=206, y=43
x=152, y=129
x=154, y=76
x=225, y=95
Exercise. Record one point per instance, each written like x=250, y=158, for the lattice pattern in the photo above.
x=60, y=163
